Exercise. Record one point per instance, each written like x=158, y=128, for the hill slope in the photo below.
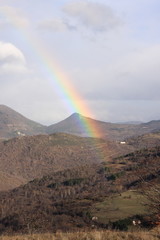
x=34, y=156
x=13, y=124
x=75, y=124
x=145, y=141
x=65, y=200
x=10, y=181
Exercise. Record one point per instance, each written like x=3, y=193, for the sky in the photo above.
x=100, y=58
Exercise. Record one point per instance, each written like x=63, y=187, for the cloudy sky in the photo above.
x=108, y=51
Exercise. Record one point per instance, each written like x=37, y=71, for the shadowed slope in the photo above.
x=78, y=125
x=74, y=124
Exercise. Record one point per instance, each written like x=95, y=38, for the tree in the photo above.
x=152, y=194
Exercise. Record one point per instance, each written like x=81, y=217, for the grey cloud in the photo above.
x=120, y=111
x=133, y=78
x=96, y=16
x=14, y=16
x=56, y=24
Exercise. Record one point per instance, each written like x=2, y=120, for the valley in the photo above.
x=60, y=179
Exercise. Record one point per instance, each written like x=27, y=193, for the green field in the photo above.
x=119, y=206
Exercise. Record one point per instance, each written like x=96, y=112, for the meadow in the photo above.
x=120, y=206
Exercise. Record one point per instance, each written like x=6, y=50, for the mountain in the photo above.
x=10, y=181
x=154, y=125
x=13, y=124
x=32, y=157
x=71, y=199
x=145, y=141
x=78, y=125
x=131, y=122
x=61, y=181
x=75, y=124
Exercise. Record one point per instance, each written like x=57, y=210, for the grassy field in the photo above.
x=94, y=235
x=119, y=206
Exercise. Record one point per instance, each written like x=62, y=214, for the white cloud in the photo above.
x=13, y=16
x=10, y=52
x=12, y=59
x=96, y=16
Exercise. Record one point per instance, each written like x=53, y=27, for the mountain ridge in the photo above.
x=13, y=124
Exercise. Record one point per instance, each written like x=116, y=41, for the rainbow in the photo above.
x=60, y=81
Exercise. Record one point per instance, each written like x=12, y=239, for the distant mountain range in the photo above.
x=13, y=124
x=131, y=122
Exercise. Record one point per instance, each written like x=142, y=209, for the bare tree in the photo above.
x=152, y=194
